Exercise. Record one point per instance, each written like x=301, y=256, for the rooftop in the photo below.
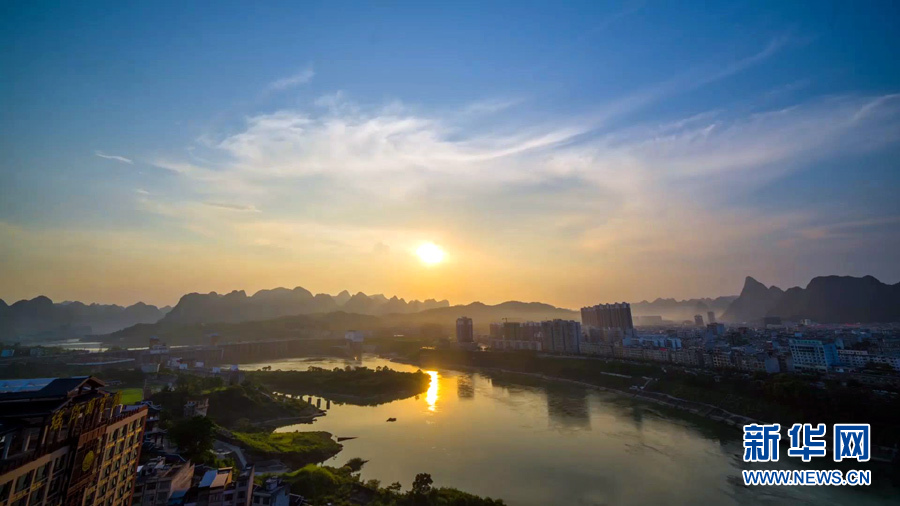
x=44, y=388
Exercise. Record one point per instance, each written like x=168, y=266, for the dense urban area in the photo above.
x=186, y=425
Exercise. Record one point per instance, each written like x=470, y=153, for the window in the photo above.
x=24, y=481
x=36, y=496
x=4, y=491
x=41, y=473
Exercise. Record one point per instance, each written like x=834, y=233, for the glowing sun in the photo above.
x=430, y=253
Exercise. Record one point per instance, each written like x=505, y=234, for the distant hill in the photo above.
x=335, y=323
x=40, y=318
x=755, y=302
x=678, y=310
x=483, y=314
x=268, y=304
x=286, y=327
x=826, y=299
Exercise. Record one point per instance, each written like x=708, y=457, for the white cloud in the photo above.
x=113, y=157
x=339, y=176
x=302, y=77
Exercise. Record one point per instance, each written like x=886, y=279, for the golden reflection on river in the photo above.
x=431, y=396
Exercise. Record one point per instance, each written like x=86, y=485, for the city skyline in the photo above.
x=562, y=154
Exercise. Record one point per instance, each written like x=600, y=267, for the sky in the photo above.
x=566, y=152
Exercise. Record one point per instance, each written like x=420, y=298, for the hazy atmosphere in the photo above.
x=562, y=153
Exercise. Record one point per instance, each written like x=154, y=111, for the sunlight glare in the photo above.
x=430, y=253
x=431, y=396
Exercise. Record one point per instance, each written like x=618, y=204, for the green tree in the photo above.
x=194, y=438
x=422, y=484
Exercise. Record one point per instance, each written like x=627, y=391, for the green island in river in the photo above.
x=352, y=385
x=245, y=414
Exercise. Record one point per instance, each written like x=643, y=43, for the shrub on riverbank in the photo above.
x=235, y=406
x=343, y=486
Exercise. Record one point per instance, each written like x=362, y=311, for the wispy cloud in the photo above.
x=141, y=191
x=232, y=207
x=302, y=77
x=339, y=176
x=113, y=157
x=491, y=106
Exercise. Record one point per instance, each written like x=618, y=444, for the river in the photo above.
x=540, y=443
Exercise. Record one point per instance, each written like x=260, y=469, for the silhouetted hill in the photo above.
x=40, y=318
x=483, y=315
x=755, y=302
x=268, y=304
x=678, y=310
x=841, y=299
x=333, y=324
x=826, y=299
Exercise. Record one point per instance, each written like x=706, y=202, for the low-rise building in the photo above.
x=813, y=355
x=159, y=479
x=274, y=492
x=196, y=407
x=861, y=358
x=220, y=487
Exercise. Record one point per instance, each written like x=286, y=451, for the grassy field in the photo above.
x=297, y=448
x=132, y=395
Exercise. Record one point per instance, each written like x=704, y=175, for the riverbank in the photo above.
x=655, y=384
x=704, y=410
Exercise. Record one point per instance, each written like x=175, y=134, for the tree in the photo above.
x=194, y=438
x=355, y=464
x=422, y=484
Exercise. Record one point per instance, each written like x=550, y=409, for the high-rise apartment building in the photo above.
x=698, y=320
x=465, y=330
x=617, y=315
x=561, y=336
x=67, y=441
x=710, y=317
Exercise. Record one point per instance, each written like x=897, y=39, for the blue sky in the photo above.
x=568, y=153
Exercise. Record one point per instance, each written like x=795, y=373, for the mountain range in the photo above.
x=40, y=317
x=826, y=299
x=267, y=304
x=339, y=321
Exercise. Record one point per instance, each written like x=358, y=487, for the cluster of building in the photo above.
x=609, y=330
x=69, y=441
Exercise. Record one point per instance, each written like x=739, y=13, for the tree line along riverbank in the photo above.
x=724, y=396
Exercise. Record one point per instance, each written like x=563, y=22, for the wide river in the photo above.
x=547, y=443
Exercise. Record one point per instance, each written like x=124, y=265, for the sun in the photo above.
x=430, y=253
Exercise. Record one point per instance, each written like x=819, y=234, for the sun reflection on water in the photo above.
x=431, y=396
